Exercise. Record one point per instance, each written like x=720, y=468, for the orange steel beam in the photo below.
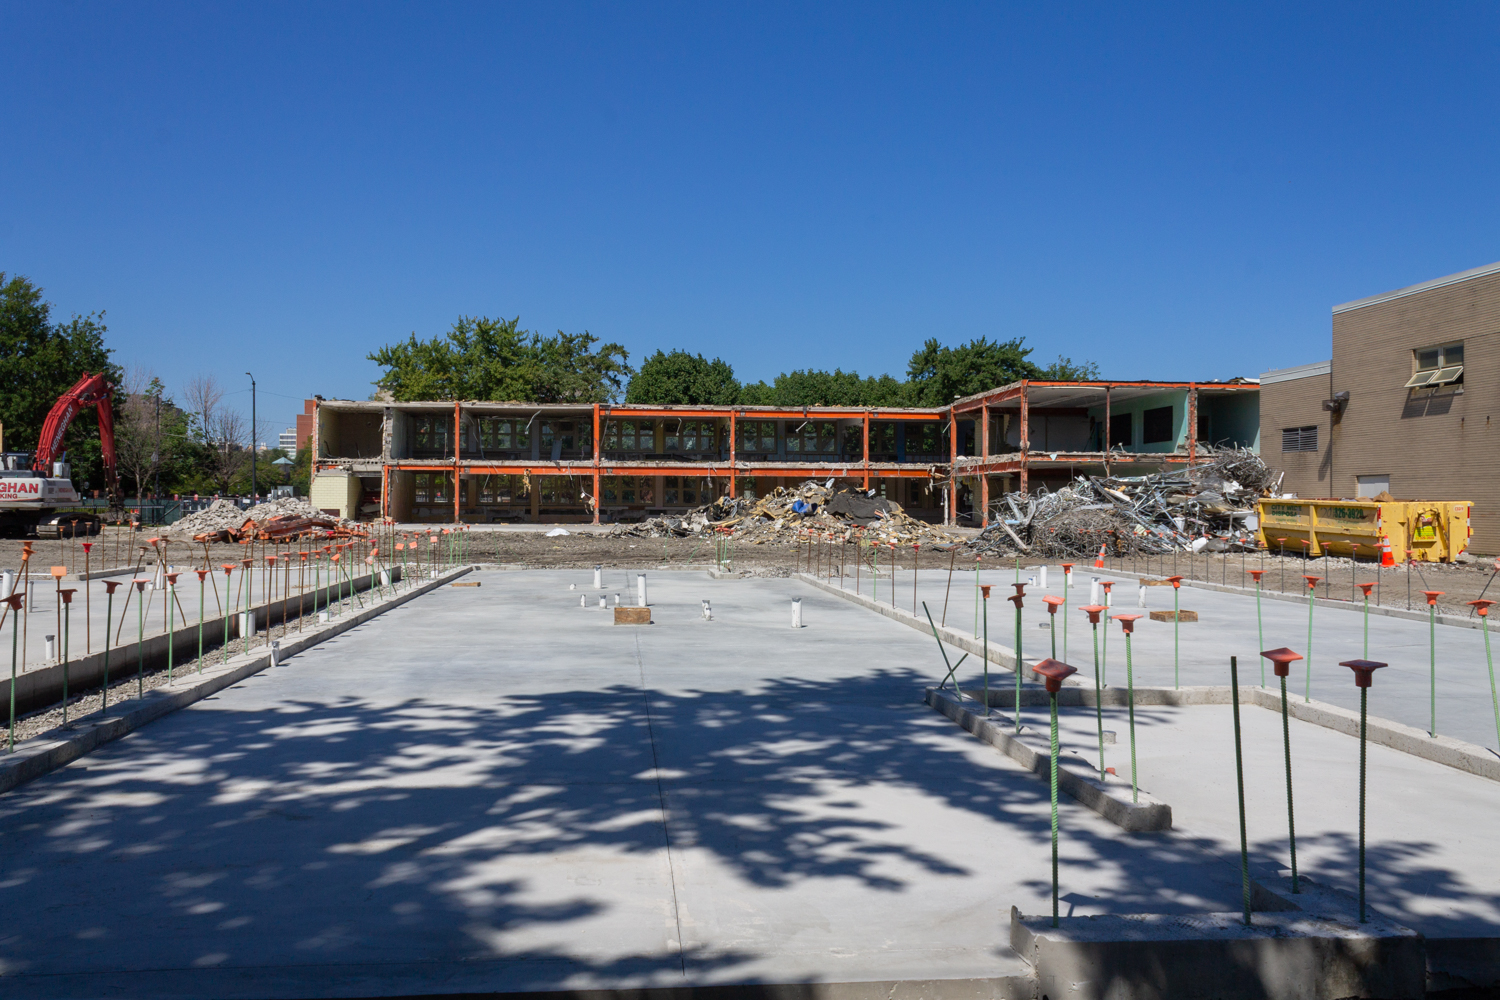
x=952, y=460
x=1014, y=391
x=733, y=428
x=596, y=463
x=827, y=413
x=866, y=442
x=1192, y=418
x=807, y=470
x=457, y=457
x=1025, y=440
x=984, y=481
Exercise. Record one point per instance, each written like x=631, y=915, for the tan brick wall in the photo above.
x=1435, y=444
x=1296, y=403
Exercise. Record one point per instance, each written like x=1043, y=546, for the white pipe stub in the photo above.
x=708, y=614
x=640, y=590
x=598, y=577
x=796, y=612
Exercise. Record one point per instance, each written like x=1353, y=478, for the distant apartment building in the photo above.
x=1404, y=403
x=288, y=441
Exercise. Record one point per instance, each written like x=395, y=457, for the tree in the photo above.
x=39, y=361
x=225, y=455
x=821, y=388
x=482, y=358
x=150, y=432
x=938, y=375
x=684, y=379
x=1067, y=370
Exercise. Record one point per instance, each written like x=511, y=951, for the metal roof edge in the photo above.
x=1299, y=371
x=1452, y=279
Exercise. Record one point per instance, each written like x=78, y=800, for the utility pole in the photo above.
x=253, y=455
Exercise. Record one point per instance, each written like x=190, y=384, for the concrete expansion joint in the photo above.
x=43, y=754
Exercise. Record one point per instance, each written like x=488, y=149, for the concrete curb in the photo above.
x=1282, y=954
x=42, y=686
x=1148, y=815
x=1321, y=602
x=1443, y=750
x=36, y=757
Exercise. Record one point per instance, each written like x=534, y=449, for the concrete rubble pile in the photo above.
x=1210, y=506
x=784, y=515
x=284, y=517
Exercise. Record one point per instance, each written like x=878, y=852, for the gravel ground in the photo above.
x=123, y=685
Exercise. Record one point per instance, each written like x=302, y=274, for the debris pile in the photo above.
x=281, y=518
x=784, y=514
x=1205, y=507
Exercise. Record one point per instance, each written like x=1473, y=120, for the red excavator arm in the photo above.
x=91, y=390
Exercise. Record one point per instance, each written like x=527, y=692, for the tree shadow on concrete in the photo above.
x=346, y=831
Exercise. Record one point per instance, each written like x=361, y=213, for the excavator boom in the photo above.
x=90, y=390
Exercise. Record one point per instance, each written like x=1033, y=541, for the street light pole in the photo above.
x=252, y=438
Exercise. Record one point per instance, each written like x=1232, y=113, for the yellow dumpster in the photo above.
x=1428, y=531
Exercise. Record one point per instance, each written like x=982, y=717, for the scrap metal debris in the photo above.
x=785, y=515
x=1210, y=506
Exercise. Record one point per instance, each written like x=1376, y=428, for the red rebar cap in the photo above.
x=1175, y=581
x=202, y=574
x=67, y=595
x=1363, y=670
x=1432, y=596
x=1256, y=574
x=1312, y=581
x=172, y=578
x=86, y=545
x=1366, y=587
x=1017, y=600
x=140, y=584
x=1127, y=622
x=1054, y=672
x=984, y=588
x=110, y=585
x=1020, y=589
x=1106, y=584
x=1282, y=659
x=1067, y=566
x=16, y=600
x=1093, y=611
x=1482, y=606
x=1053, y=603
x=227, y=568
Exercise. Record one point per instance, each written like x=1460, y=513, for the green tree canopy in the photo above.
x=39, y=361
x=482, y=358
x=680, y=378
x=938, y=375
x=812, y=387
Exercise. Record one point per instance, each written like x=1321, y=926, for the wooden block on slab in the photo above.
x=1166, y=616
x=632, y=616
x=470, y=583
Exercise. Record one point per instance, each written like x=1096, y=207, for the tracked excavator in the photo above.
x=36, y=488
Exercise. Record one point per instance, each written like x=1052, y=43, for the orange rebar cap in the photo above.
x=1363, y=670
x=1482, y=606
x=140, y=583
x=1432, y=596
x=1127, y=622
x=1093, y=611
x=1053, y=603
x=67, y=595
x=1256, y=574
x=1054, y=672
x=1366, y=587
x=1312, y=581
x=984, y=588
x=1282, y=659
x=1175, y=581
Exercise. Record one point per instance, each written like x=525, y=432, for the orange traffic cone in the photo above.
x=1386, y=559
x=1099, y=559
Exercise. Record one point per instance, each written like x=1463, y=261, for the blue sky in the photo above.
x=1170, y=191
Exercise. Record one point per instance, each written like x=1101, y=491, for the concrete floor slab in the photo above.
x=492, y=788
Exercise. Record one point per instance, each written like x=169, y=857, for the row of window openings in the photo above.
x=500, y=490
x=434, y=434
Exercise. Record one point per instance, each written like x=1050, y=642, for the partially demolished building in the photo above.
x=482, y=462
